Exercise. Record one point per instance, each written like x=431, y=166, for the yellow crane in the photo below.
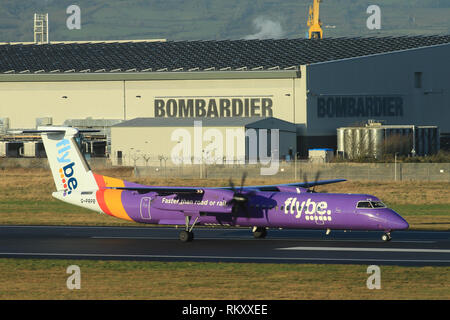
x=314, y=23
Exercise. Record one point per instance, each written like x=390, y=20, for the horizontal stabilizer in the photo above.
x=54, y=130
x=35, y=131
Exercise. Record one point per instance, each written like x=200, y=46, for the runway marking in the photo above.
x=365, y=249
x=88, y=255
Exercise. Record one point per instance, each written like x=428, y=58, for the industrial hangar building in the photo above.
x=196, y=140
x=317, y=85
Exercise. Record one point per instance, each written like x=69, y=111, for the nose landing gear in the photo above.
x=259, y=233
x=386, y=237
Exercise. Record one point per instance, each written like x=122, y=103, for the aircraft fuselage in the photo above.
x=264, y=209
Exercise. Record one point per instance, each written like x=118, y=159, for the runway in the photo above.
x=407, y=248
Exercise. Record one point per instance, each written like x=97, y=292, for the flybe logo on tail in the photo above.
x=66, y=172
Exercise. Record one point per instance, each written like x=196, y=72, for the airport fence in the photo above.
x=293, y=171
x=308, y=171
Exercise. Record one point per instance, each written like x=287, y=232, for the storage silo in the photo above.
x=3, y=148
x=4, y=125
x=374, y=140
x=29, y=149
x=377, y=138
x=427, y=140
x=44, y=121
x=340, y=141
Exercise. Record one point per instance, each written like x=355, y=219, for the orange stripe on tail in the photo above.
x=110, y=200
x=113, y=199
x=101, y=194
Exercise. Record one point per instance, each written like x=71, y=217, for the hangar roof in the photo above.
x=247, y=122
x=226, y=55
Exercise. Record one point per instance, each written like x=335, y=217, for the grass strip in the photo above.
x=46, y=279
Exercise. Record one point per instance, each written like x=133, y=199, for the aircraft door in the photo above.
x=145, y=208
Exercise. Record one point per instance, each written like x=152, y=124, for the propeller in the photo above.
x=315, y=180
x=239, y=200
x=307, y=185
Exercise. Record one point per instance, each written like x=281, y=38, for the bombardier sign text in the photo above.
x=359, y=106
x=213, y=107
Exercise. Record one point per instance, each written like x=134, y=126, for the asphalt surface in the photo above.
x=407, y=248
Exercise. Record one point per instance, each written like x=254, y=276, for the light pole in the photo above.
x=295, y=166
x=395, y=166
x=201, y=165
x=129, y=155
x=146, y=156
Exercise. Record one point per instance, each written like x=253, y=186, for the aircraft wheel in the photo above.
x=186, y=236
x=386, y=237
x=260, y=233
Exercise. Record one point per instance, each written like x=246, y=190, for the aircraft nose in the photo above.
x=396, y=222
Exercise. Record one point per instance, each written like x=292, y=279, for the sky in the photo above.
x=219, y=19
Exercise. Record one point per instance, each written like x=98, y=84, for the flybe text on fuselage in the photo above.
x=66, y=172
x=312, y=210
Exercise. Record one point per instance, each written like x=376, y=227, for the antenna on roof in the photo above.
x=40, y=28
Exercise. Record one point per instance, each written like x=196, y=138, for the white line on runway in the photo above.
x=133, y=256
x=365, y=249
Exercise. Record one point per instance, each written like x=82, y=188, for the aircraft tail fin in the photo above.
x=69, y=167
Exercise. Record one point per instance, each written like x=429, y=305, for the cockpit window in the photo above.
x=364, y=204
x=377, y=204
x=370, y=205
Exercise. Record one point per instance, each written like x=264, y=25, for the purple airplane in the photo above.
x=292, y=205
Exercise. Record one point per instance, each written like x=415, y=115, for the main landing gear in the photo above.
x=187, y=235
x=386, y=237
x=259, y=232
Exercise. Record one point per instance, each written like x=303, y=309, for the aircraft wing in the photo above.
x=200, y=190
x=163, y=190
x=273, y=187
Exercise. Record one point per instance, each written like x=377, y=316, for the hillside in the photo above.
x=218, y=19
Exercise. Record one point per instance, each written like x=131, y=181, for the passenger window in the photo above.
x=364, y=204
